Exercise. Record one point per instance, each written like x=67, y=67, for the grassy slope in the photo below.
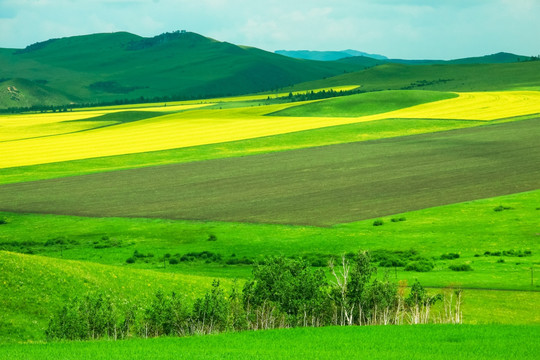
x=377, y=342
x=24, y=93
x=107, y=66
x=366, y=104
x=477, y=77
x=32, y=287
x=292, y=187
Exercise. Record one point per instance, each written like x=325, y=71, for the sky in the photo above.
x=407, y=29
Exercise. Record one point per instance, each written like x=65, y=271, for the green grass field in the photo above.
x=377, y=342
x=470, y=229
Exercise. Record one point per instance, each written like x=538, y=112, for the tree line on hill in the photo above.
x=283, y=293
x=291, y=97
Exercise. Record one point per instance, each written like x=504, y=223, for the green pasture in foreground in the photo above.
x=304, y=139
x=366, y=104
x=375, y=342
x=317, y=186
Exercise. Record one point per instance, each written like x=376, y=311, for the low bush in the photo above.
x=449, y=256
x=502, y=208
x=462, y=267
x=420, y=266
x=378, y=222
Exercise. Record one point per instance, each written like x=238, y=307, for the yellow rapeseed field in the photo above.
x=205, y=126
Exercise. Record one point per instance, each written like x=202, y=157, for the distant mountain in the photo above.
x=498, y=58
x=113, y=66
x=327, y=55
x=364, y=59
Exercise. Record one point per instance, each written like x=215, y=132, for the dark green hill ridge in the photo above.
x=107, y=67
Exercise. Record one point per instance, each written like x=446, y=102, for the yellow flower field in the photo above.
x=205, y=126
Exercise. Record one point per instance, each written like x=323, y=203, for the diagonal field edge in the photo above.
x=319, y=186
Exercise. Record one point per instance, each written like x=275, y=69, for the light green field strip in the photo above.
x=217, y=126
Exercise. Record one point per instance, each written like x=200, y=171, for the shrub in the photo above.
x=173, y=261
x=212, y=237
x=420, y=266
x=130, y=260
x=3, y=220
x=449, y=256
x=378, y=222
x=502, y=208
x=462, y=267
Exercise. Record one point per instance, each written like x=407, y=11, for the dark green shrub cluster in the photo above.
x=502, y=208
x=212, y=237
x=239, y=261
x=449, y=256
x=420, y=266
x=92, y=317
x=106, y=242
x=284, y=292
x=3, y=220
x=24, y=247
x=62, y=240
x=462, y=267
x=410, y=259
x=139, y=256
x=378, y=222
x=509, y=253
x=398, y=219
x=207, y=256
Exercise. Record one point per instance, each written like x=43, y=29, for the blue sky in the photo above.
x=441, y=29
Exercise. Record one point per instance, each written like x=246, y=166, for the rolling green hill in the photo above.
x=441, y=77
x=32, y=287
x=105, y=67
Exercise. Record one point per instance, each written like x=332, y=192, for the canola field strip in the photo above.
x=201, y=127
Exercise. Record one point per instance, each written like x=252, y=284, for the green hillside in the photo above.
x=105, y=67
x=33, y=287
x=441, y=77
x=25, y=93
